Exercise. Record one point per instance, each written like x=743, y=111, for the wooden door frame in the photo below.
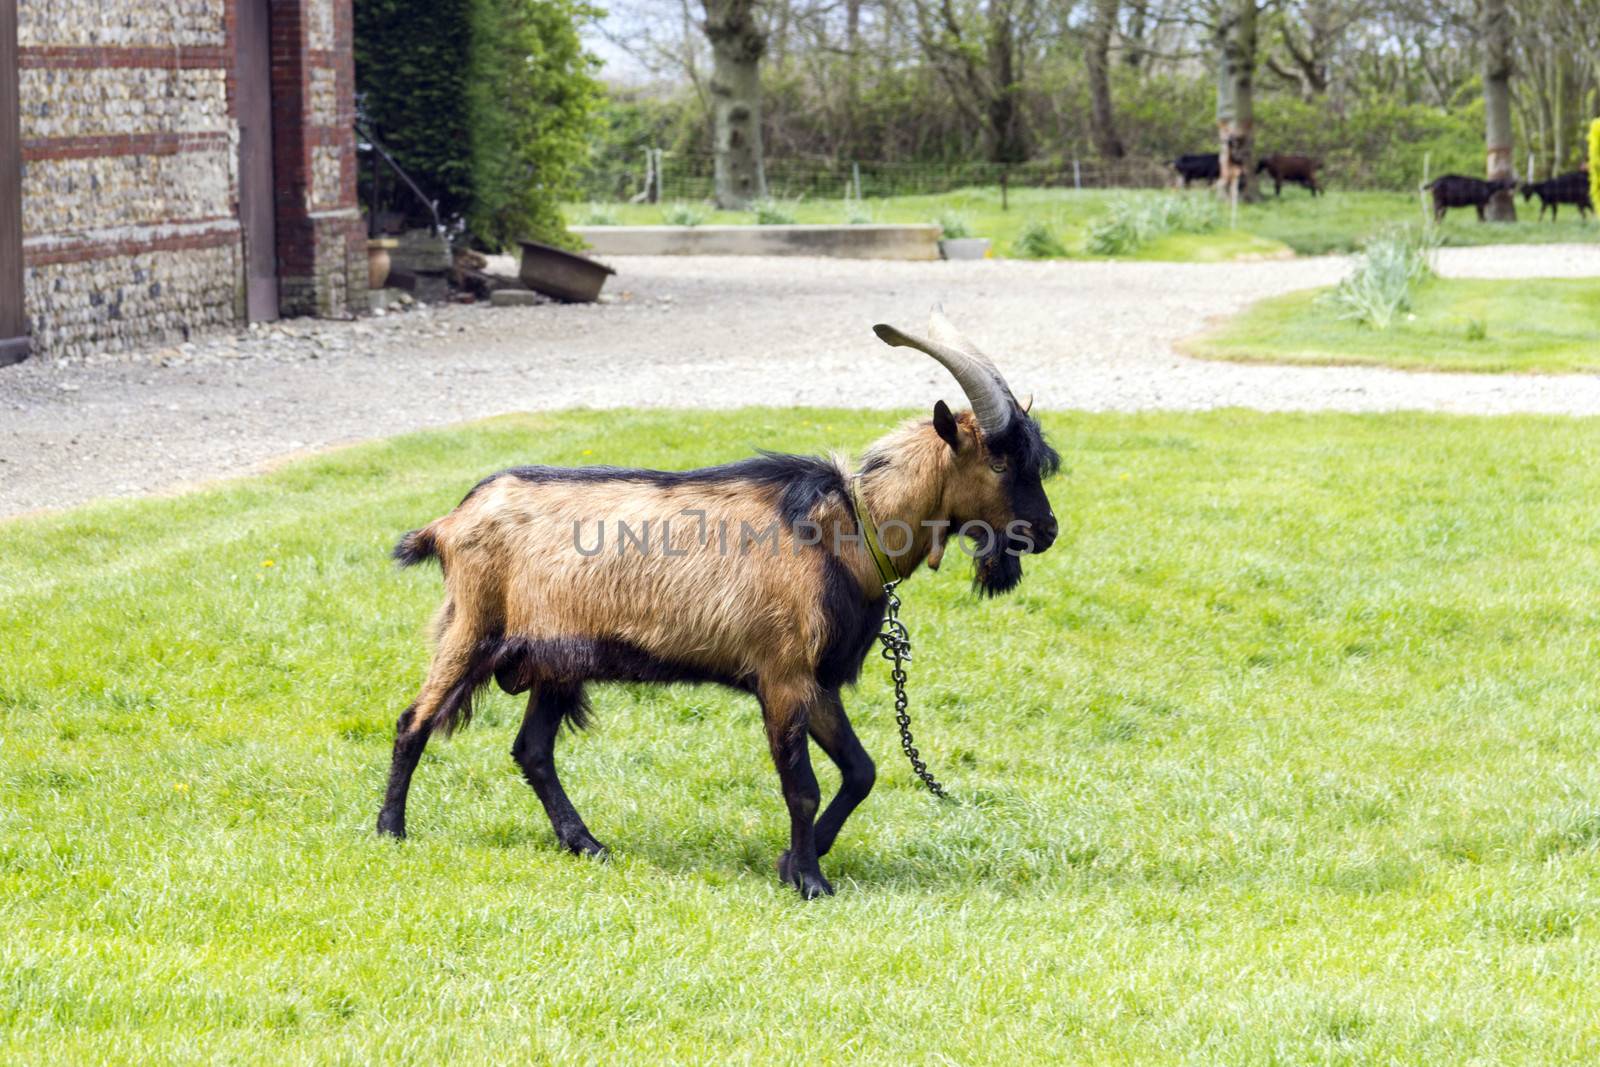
x=14, y=343
x=252, y=59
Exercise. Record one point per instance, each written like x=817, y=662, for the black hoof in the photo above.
x=392, y=824
x=587, y=846
x=810, y=884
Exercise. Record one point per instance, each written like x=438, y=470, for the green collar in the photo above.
x=887, y=575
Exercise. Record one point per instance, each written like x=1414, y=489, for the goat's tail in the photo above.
x=416, y=547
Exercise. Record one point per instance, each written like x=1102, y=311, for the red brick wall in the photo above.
x=321, y=240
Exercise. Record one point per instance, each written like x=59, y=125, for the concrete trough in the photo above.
x=841, y=242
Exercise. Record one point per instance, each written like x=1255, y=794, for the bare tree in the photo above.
x=981, y=52
x=1557, y=59
x=1496, y=29
x=1309, y=34
x=737, y=44
x=1097, y=62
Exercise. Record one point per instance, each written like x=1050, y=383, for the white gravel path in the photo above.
x=711, y=332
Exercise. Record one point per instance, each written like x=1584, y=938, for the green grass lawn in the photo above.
x=1541, y=324
x=1285, y=754
x=1337, y=222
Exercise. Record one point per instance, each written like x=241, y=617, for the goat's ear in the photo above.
x=944, y=424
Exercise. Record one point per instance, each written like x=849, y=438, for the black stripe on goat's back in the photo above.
x=805, y=480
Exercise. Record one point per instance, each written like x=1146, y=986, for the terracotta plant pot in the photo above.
x=378, y=260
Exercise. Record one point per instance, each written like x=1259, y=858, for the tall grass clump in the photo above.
x=1381, y=287
x=1136, y=221
x=772, y=213
x=600, y=215
x=1038, y=241
x=858, y=214
x=683, y=215
x=953, y=225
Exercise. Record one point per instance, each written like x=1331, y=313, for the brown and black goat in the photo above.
x=755, y=575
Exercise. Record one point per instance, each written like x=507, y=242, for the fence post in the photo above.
x=661, y=192
x=1005, y=180
x=1077, y=176
x=1422, y=190
x=14, y=342
x=855, y=177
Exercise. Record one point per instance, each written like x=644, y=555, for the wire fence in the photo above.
x=666, y=177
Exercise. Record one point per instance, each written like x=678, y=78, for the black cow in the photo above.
x=1202, y=166
x=1457, y=190
x=1301, y=170
x=1569, y=188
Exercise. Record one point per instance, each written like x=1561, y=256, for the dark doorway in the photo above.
x=253, y=47
x=13, y=317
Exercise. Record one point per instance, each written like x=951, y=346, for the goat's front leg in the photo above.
x=784, y=709
x=830, y=728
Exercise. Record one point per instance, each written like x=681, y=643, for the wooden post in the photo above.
x=14, y=344
x=1422, y=190
x=1005, y=179
x=257, y=203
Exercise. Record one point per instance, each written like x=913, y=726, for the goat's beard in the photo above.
x=999, y=569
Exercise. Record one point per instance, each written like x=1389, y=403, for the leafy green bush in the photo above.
x=1382, y=284
x=683, y=215
x=858, y=214
x=600, y=215
x=772, y=213
x=488, y=104
x=413, y=73
x=953, y=225
x=1117, y=234
x=1038, y=241
x=1135, y=221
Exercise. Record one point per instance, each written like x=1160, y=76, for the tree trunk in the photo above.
x=1235, y=44
x=1006, y=141
x=852, y=59
x=1097, y=50
x=1497, y=106
x=736, y=47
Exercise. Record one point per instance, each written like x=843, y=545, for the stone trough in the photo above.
x=843, y=242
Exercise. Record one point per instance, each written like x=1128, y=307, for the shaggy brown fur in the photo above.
x=753, y=576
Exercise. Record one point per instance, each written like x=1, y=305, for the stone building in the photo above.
x=174, y=166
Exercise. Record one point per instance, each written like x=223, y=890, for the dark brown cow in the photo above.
x=1301, y=170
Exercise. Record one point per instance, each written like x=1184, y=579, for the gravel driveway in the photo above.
x=708, y=332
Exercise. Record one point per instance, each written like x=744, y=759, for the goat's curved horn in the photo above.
x=986, y=390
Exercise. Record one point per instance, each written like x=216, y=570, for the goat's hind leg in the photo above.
x=458, y=666
x=408, y=745
x=549, y=705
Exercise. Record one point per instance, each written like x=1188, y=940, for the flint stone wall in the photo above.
x=130, y=184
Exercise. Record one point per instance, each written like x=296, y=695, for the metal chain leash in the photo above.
x=897, y=650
